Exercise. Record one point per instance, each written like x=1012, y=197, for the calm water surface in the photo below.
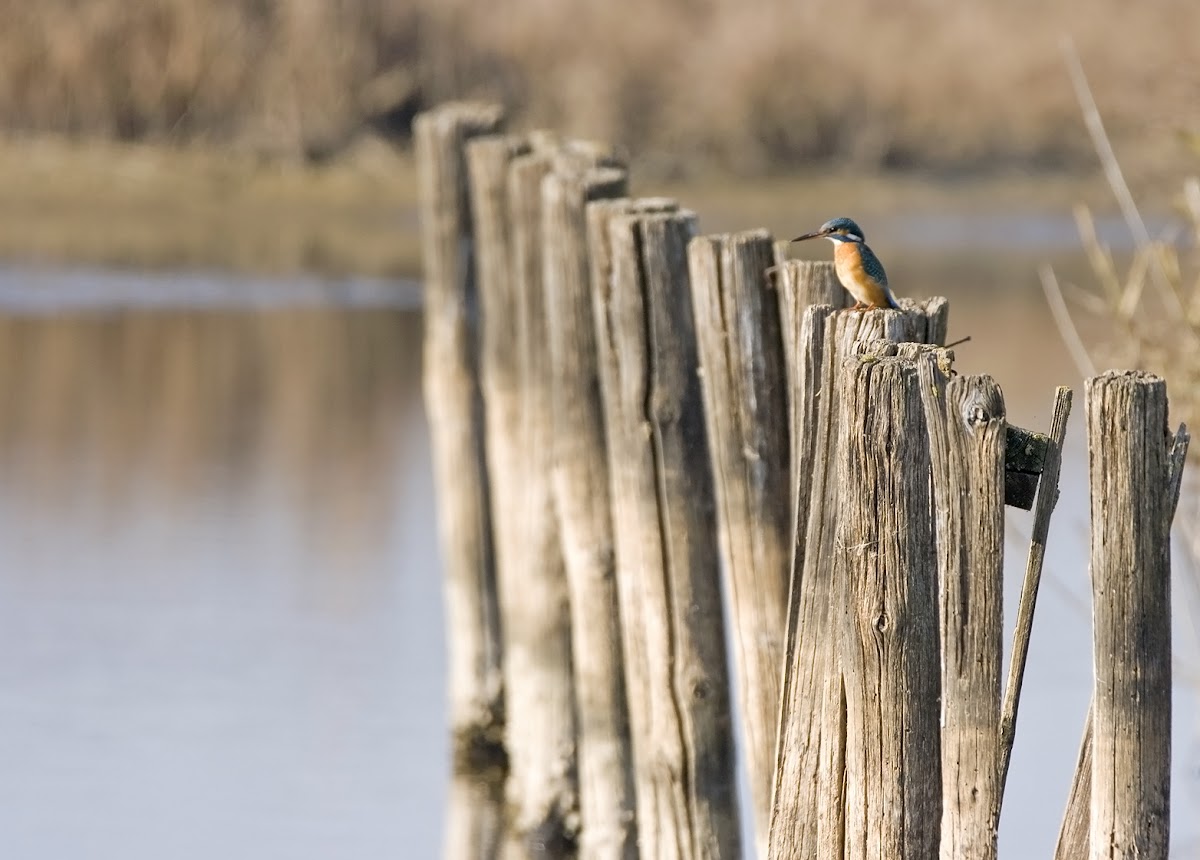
x=220, y=613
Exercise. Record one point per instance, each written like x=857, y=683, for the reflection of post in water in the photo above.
x=301, y=404
x=689, y=446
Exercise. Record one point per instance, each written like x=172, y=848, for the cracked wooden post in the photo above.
x=581, y=494
x=885, y=551
x=967, y=437
x=1130, y=456
x=668, y=577
x=807, y=811
x=455, y=410
x=743, y=378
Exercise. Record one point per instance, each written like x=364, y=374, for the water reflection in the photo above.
x=219, y=623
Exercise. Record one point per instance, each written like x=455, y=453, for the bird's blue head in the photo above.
x=836, y=230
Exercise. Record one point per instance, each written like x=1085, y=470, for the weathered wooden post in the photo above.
x=542, y=794
x=665, y=527
x=807, y=811
x=967, y=438
x=455, y=409
x=1077, y=830
x=886, y=552
x=744, y=379
x=581, y=494
x=1130, y=455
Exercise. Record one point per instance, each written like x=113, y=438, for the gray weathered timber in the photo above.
x=542, y=787
x=1129, y=450
x=580, y=481
x=1047, y=498
x=455, y=409
x=743, y=378
x=1074, y=835
x=886, y=550
x=664, y=521
x=807, y=810
x=966, y=421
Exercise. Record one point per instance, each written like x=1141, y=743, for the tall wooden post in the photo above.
x=581, y=494
x=665, y=526
x=885, y=549
x=543, y=788
x=744, y=382
x=455, y=407
x=1129, y=449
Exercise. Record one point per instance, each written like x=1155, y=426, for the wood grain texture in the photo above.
x=966, y=421
x=581, y=495
x=455, y=409
x=885, y=549
x=667, y=557
x=1129, y=450
x=807, y=817
x=744, y=383
x=542, y=788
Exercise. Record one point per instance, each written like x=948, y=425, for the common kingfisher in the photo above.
x=857, y=267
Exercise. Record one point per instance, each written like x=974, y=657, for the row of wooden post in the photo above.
x=649, y=443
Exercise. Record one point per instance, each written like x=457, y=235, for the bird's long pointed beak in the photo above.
x=814, y=235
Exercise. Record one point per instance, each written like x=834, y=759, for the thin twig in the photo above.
x=1066, y=326
x=1047, y=497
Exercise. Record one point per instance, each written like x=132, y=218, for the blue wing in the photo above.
x=874, y=270
x=872, y=266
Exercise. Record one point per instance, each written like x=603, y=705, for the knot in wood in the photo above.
x=881, y=622
x=974, y=414
x=700, y=690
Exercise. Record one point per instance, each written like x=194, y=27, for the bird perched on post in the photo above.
x=857, y=267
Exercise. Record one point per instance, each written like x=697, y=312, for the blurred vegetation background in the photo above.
x=752, y=87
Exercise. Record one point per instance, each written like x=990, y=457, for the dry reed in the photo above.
x=744, y=85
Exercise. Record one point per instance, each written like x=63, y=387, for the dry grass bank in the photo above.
x=749, y=86
x=147, y=206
